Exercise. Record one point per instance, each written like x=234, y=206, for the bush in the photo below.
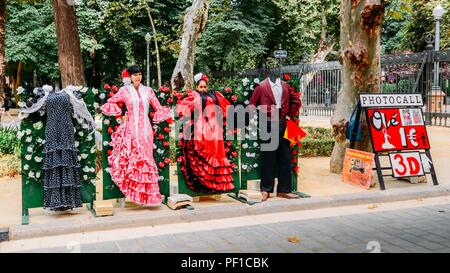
x=9, y=165
x=9, y=143
x=319, y=142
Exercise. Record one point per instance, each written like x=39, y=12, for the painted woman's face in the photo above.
x=136, y=78
x=202, y=87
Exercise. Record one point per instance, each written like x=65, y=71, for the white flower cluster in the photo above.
x=250, y=155
x=38, y=125
x=245, y=82
x=89, y=170
x=20, y=90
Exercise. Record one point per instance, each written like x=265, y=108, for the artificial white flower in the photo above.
x=247, y=136
x=86, y=169
x=84, y=90
x=20, y=134
x=84, y=126
x=108, y=170
x=244, y=167
x=85, y=177
x=30, y=149
x=38, y=125
x=254, y=133
x=105, y=143
x=96, y=105
x=245, y=145
x=79, y=158
x=47, y=88
x=31, y=175
x=161, y=178
x=84, y=156
x=246, y=93
x=28, y=132
x=255, y=144
x=94, y=182
x=245, y=81
x=38, y=174
x=93, y=150
x=95, y=91
x=89, y=138
x=20, y=90
x=77, y=143
x=41, y=113
x=255, y=165
x=102, y=96
x=35, y=91
x=161, y=95
x=28, y=157
x=38, y=159
x=21, y=104
x=106, y=122
x=160, y=151
x=74, y=130
x=246, y=102
x=26, y=167
x=81, y=133
x=256, y=80
x=92, y=170
x=252, y=87
x=28, y=139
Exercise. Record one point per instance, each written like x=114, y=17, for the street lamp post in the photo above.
x=438, y=12
x=148, y=38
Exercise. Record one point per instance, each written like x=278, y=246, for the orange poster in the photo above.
x=357, y=169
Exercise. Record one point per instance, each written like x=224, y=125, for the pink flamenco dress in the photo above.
x=131, y=162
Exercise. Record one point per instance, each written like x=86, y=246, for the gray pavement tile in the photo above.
x=107, y=247
x=130, y=246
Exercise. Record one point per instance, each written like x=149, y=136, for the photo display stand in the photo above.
x=397, y=130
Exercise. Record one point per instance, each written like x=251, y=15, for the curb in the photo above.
x=223, y=211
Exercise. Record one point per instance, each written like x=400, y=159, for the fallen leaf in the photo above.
x=294, y=240
x=372, y=206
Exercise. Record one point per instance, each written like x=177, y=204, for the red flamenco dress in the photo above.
x=206, y=166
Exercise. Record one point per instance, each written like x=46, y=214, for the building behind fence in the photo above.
x=400, y=73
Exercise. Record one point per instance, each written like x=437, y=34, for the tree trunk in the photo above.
x=69, y=50
x=18, y=80
x=158, y=60
x=326, y=43
x=194, y=24
x=360, y=58
x=3, y=14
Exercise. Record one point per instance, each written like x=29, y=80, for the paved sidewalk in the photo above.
x=422, y=229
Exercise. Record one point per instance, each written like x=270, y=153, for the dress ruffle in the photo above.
x=162, y=114
x=62, y=189
x=61, y=158
x=111, y=109
x=133, y=170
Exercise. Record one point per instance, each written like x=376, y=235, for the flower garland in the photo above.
x=32, y=138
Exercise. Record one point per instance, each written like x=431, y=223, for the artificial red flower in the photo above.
x=166, y=143
x=175, y=93
x=180, y=159
x=294, y=152
x=109, y=152
x=110, y=130
x=107, y=87
x=180, y=143
x=169, y=100
x=110, y=94
x=296, y=169
x=228, y=89
x=227, y=150
x=116, y=127
x=162, y=165
x=114, y=88
x=234, y=154
x=229, y=143
x=233, y=165
x=166, y=160
x=169, y=120
x=167, y=129
x=160, y=136
x=234, y=98
x=287, y=77
x=120, y=104
x=152, y=114
x=294, y=160
x=180, y=96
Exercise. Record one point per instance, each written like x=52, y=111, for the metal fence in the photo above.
x=400, y=73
